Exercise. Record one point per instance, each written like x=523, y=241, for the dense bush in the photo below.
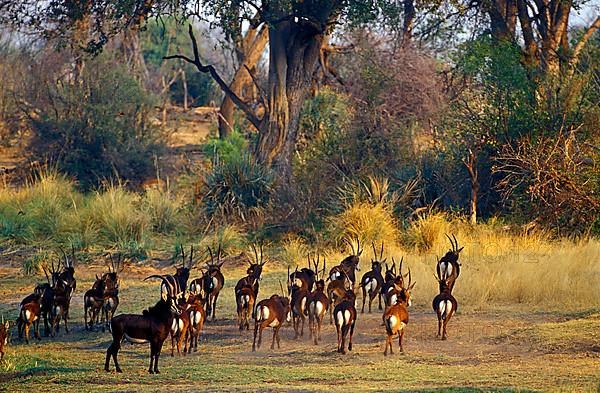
x=96, y=127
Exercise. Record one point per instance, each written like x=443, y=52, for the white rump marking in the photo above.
x=174, y=326
x=274, y=323
x=134, y=340
x=27, y=314
x=319, y=307
x=393, y=299
x=448, y=307
x=264, y=313
x=303, y=305
x=339, y=318
x=214, y=282
x=392, y=321
x=347, y=316
x=371, y=285
x=442, y=308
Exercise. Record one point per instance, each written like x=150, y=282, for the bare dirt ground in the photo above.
x=508, y=348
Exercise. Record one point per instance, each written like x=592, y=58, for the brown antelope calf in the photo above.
x=318, y=304
x=395, y=318
x=245, y=300
x=111, y=291
x=213, y=282
x=4, y=333
x=197, y=316
x=372, y=281
x=179, y=329
x=336, y=290
x=272, y=312
x=445, y=305
x=93, y=300
x=29, y=314
x=345, y=319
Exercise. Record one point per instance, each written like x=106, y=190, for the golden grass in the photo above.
x=369, y=222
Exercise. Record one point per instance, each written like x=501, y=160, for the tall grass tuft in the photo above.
x=115, y=213
x=370, y=223
x=163, y=209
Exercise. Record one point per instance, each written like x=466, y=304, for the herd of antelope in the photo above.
x=183, y=309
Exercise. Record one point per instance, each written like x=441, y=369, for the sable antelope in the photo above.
x=349, y=265
x=298, y=305
x=152, y=326
x=448, y=267
x=398, y=290
x=60, y=307
x=213, y=282
x=345, y=319
x=3, y=337
x=245, y=300
x=391, y=288
x=111, y=292
x=336, y=290
x=47, y=299
x=303, y=278
x=179, y=329
x=253, y=273
x=179, y=280
x=395, y=318
x=444, y=304
x=93, y=300
x=29, y=314
x=197, y=315
x=271, y=312
x=372, y=281
x=318, y=304
x=68, y=274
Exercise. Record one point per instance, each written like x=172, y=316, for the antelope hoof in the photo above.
x=119, y=370
x=150, y=371
x=443, y=338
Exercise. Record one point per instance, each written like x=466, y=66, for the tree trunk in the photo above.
x=254, y=47
x=471, y=165
x=409, y=19
x=294, y=53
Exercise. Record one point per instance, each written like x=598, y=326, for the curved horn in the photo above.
x=374, y=251
x=381, y=253
x=211, y=256
x=281, y=286
x=451, y=243
x=191, y=256
x=170, y=289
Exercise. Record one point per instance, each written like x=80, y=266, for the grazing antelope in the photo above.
x=111, y=292
x=197, y=315
x=445, y=305
x=448, y=266
x=213, y=282
x=345, y=319
x=372, y=281
x=93, y=300
x=253, y=273
x=152, y=326
x=3, y=337
x=349, y=265
x=318, y=304
x=272, y=312
x=29, y=314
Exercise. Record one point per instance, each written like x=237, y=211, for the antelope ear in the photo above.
x=412, y=285
x=220, y=264
x=459, y=250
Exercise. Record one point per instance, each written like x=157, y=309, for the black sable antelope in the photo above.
x=272, y=312
x=444, y=304
x=448, y=267
x=67, y=276
x=318, y=304
x=178, y=281
x=349, y=265
x=298, y=304
x=152, y=326
x=213, y=281
x=372, y=281
x=345, y=319
x=303, y=278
